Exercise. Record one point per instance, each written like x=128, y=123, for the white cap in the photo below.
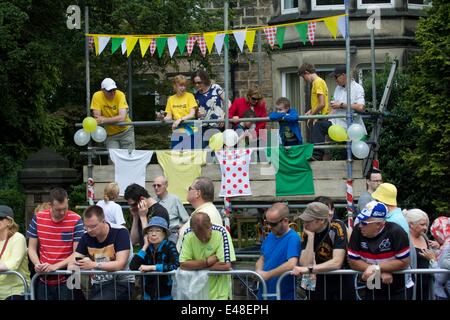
x=108, y=84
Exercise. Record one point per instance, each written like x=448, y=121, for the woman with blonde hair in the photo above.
x=253, y=100
x=13, y=257
x=113, y=211
x=180, y=107
x=419, y=222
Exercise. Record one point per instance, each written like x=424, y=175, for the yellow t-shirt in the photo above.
x=15, y=258
x=180, y=106
x=110, y=108
x=319, y=86
x=181, y=168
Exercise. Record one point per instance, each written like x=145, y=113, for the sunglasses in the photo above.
x=255, y=99
x=198, y=82
x=191, y=188
x=274, y=224
x=112, y=90
x=366, y=223
x=157, y=185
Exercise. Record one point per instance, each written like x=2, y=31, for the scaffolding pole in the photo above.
x=349, y=183
x=226, y=65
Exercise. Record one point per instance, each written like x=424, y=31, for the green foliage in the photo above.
x=425, y=100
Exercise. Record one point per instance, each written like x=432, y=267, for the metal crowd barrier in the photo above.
x=131, y=292
x=360, y=284
x=22, y=278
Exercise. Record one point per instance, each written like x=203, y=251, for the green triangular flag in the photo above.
x=302, y=30
x=115, y=44
x=280, y=36
x=227, y=41
x=181, y=39
x=160, y=45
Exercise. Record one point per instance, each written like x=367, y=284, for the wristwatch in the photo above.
x=98, y=266
x=341, y=105
x=311, y=269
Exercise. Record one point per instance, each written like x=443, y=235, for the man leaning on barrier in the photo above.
x=378, y=246
x=279, y=252
x=53, y=237
x=324, y=248
x=208, y=246
x=104, y=247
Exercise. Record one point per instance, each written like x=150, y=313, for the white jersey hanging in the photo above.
x=234, y=165
x=130, y=167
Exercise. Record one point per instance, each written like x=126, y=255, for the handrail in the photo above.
x=22, y=278
x=151, y=273
x=354, y=272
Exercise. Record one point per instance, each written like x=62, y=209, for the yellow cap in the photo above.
x=386, y=193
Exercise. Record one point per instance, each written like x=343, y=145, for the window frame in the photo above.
x=419, y=6
x=315, y=6
x=379, y=5
x=288, y=10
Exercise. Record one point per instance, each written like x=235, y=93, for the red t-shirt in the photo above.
x=240, y=105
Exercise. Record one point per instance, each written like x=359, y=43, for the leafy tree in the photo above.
x=426, y=100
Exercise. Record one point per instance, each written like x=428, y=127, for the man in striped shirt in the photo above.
x=56, y=232
x=379, y=246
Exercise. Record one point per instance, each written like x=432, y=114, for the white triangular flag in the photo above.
x=102, y=42
x=124, y=46
x=240, y=38
x=172, y=43
x=220, y=37
x=341, y=27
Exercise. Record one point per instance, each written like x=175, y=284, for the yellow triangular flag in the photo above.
x=97, y=48
x=250, y=39
x=144, y=43
x=209, y=40
x=332, y=25
x=130, y=43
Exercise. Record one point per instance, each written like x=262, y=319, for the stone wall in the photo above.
x=244, y=67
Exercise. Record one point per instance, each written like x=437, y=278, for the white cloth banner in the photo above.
x=130, y=167
x=173, y=44
x=240, y=38
x=219, y=42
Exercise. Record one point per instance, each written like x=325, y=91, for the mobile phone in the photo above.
x=78, y=258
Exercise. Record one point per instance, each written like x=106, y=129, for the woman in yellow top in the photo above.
x=181, y=106
x=13, y=257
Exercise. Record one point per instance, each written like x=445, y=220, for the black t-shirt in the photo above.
x=333, y=237
x=391, y=243
x=155, y=210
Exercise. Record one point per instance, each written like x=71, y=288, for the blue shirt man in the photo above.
x=279, y=253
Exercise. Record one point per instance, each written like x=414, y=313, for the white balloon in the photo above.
x=360, y=149
x=230, y=137
x=81, y=137
x=355, y=132
x=99, y=135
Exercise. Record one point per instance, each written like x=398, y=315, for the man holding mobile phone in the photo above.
x=142, y=208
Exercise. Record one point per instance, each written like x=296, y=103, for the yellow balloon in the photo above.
x=89, y=124
x=337, y=133
x=216, y=141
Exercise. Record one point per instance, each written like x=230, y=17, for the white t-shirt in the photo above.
x=113, y=212
x=129, y=167
x=234, y=165
x=340, y=95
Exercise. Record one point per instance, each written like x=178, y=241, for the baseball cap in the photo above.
x=108, y=84
x=373, y=209
x=157, y=222
x=6, y=211
x=340, y=69
x=315, y=210
x=386, y=193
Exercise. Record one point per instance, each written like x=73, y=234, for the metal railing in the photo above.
x=233, y=273
x=22, y=279
x=358, y=285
